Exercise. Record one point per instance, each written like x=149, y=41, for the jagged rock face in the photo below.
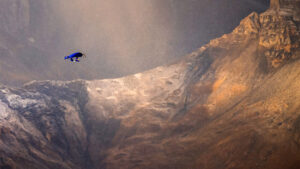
x=287, y=7
x=38, y=130
x=291, y=5
x=234, y=103
x=280, y=33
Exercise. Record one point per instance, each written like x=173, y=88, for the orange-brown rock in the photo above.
x=232, y=104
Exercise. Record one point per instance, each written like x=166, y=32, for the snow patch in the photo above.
x=3, y=110
x=16, y=101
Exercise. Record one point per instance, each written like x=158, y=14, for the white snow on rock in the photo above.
x=16, y=101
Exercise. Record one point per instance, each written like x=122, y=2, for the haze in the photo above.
x=119, y=37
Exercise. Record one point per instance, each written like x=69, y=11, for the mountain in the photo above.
x=233, y=103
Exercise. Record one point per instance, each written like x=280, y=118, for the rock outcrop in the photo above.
x=233, y=103
x=280, y=34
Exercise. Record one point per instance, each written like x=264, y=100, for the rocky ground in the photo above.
x=234, y=103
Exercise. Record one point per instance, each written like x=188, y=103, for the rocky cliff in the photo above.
x=233, y=103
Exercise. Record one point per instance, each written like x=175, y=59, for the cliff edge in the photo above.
x=233, y=103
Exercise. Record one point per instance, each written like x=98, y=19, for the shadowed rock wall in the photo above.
x=233, y=103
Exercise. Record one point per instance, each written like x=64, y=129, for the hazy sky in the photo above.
x=119, y=37
x=126, y=36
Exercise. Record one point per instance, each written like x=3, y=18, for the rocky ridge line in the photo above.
x=225, y=105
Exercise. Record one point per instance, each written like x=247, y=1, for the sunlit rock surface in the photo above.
x=233, y=103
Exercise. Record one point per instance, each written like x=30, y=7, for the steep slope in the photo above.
x=234, y=103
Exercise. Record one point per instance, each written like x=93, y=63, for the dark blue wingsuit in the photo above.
x=75, y=56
